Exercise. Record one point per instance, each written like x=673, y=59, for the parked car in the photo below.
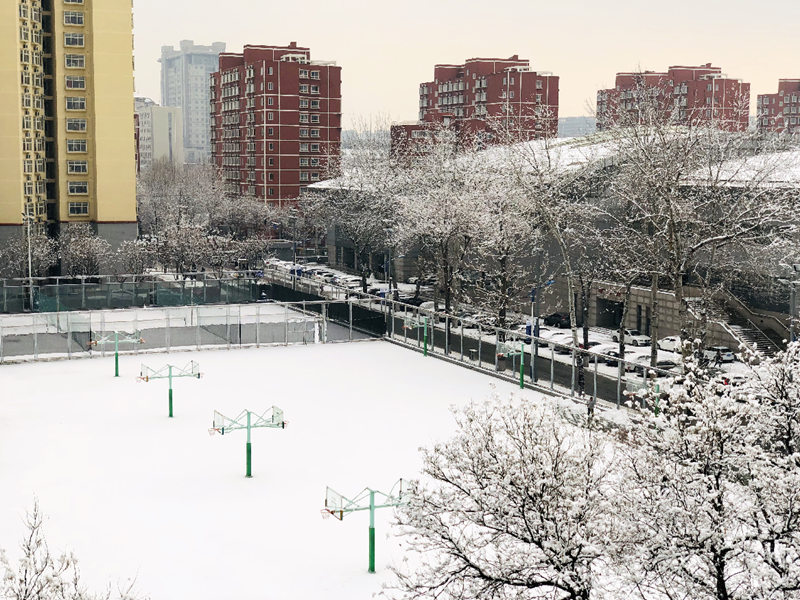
x=633, y=337
x=613, y=356
x=671, y=343
x=662, y=368
x=726, y=353
x=558, y=319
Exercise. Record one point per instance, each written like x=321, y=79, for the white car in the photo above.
x=633, y=337
x=671, y=343
x=725, y=353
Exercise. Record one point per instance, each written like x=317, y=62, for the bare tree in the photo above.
x=40, y=575
x=512, y=507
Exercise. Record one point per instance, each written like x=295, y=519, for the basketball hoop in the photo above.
x=326, y=514
x=212, y=431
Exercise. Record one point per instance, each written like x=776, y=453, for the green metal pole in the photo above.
x=170, y=391
x=248, y=452
x=116, y=354
x=371, y=531
x=522, y=366
x=425, y=337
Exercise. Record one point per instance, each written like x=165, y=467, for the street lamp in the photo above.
x=28, y=218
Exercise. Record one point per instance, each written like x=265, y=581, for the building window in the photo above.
x=76, y=124
x=76, y=145
x=270, y=191
x=73, y=39
x=314, y=162
x=271, y=161
x=304, y=118
x=270, y=86
x=303, y=147
x=75, y=61
x=271, y=176
x=303, y=162
x=76, y=82
x=314, y=74
x=78, y=188
x=269, y=70
x=303, y=176
x=270, y=131
x=315, y=89
x=304, y=133
x=303, y=88
x=73, y=1
x=538, y=84
x=76, y=103
x=271, y=146
x=77, y=166
x=315, y=177
x=72, y=17
x=315, y=104
x=303, y=103
x=315, y=133
x=270, y=116
x=270, y=101
x=315, y=118
x=78, y=209
x=314, y=147
x=304, y=73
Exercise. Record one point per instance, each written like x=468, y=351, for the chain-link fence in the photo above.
x=57, y=294
x=35, y=336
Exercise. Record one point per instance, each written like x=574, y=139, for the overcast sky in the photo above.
x=386, y=49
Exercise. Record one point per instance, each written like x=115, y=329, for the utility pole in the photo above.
x=28, y=219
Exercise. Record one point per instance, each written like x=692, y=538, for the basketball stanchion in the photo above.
x=170, y=372
x=412, y=323
x=271, y=418
x=367, y=499
x=127, y=338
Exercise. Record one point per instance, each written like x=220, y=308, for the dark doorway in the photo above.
x=609, y=313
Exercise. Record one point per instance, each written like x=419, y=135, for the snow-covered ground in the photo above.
x=136, y=494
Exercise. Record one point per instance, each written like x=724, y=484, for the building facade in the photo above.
x=160, y=133
x=184, y=83
x=276, y=120
x=681, y=95
x=485, y=100
x=66, y=116
x=780, y=113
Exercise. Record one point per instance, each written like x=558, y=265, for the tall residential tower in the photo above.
x=184, y=83
x=66, y=115
x=277, y=120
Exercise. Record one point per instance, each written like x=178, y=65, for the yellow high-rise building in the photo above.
x=66, y=115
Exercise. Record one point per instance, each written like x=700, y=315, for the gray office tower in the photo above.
x=185, y=83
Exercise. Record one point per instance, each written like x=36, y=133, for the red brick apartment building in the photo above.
x=472, y=96
x=685, y=95
x=780, y=113
x=276, y=120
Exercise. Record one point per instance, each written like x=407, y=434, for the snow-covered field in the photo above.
x=136, y=494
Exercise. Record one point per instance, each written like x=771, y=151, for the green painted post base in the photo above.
x=170, y=403
x=249, y=461
x=116, y=365
x=522, y=367
x=371, y=550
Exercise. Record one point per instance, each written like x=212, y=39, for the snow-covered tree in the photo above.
x=134, y=257
x=712, y=495
x=41, y=575
x=513, y=506
x=82, y=252
x=14, y=255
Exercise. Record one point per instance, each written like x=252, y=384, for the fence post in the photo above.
x=462, y=340
x=496, y=355
x=572, y=381
x=286, y=323
x=258, y=325
x=447, y=335
x=480, y=341
x=69, y=335
x=166, y=332
x=552, y=364
x=35, y=336
x=594, y=394
x=103, y=331
x=620, y=367
x=197, y=336
x=350, y=307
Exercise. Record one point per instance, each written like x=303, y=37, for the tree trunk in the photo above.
x=654, y=320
